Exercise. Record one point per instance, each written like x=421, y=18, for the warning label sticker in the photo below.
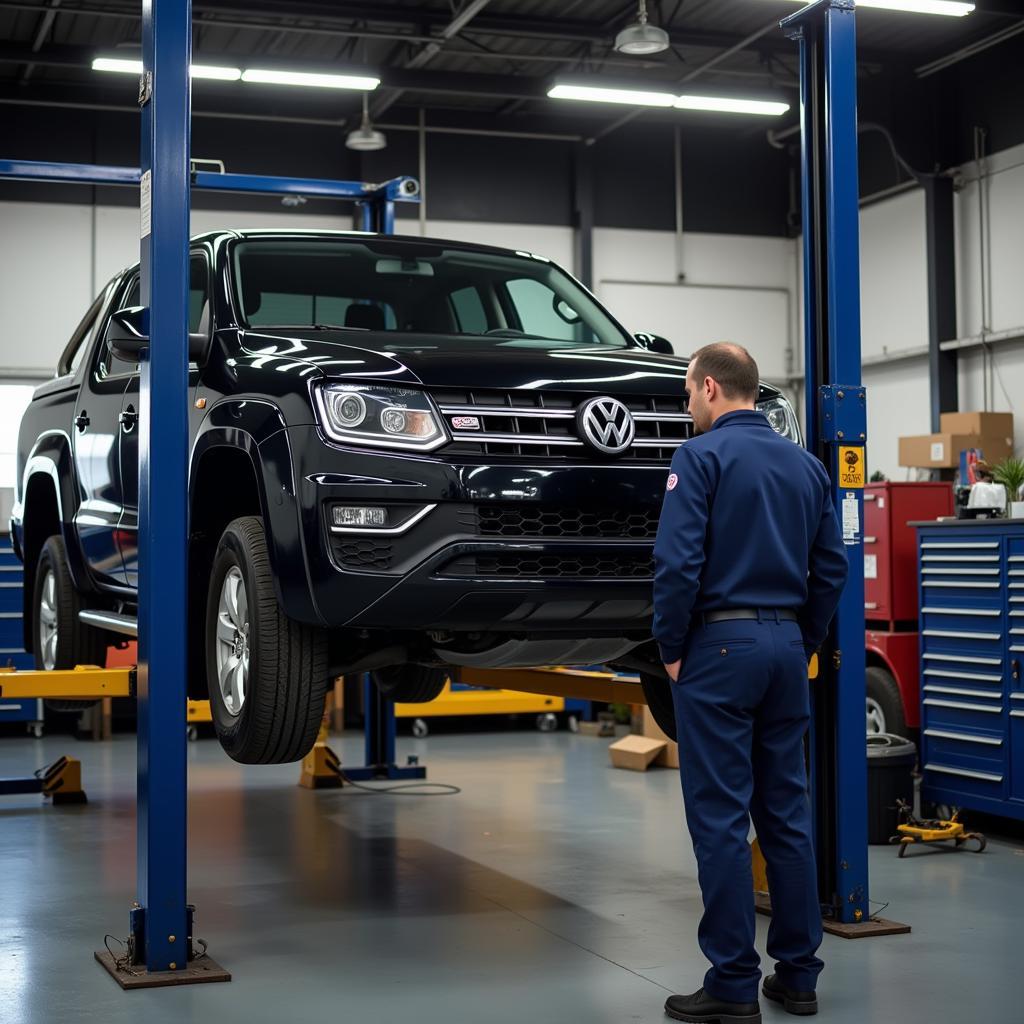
x=851, y=467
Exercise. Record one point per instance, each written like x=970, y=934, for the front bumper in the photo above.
x=514, y=548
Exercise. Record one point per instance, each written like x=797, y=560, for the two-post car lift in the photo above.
x=161, y=918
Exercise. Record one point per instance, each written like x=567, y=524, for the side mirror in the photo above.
x=655, y=343
x=128, y=335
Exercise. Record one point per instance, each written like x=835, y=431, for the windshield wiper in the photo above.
x=305, y=327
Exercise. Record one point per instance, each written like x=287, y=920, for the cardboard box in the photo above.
x=986, y=424
x=669, y=757
x=942, y=451
x=602, y=727
x=635, y=752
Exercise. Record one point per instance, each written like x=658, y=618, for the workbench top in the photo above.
x=973, y=523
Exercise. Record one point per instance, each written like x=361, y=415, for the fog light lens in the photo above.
x=359, y=515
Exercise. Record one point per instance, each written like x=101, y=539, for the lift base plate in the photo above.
x=866, y=930
x=202, y=971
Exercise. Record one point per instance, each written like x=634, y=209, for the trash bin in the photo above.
x=891, y=761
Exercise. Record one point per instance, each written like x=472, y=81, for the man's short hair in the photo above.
x=732, y=366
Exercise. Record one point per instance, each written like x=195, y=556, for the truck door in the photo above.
x=128, y=527
x=96, y=430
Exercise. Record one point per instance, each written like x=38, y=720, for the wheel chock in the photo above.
x=321, y=767
x=62, y=781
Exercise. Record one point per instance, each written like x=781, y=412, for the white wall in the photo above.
x=735, y=288
x=894, y=309
x=893, y=275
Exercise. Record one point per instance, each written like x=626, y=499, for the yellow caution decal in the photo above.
x=851, y=467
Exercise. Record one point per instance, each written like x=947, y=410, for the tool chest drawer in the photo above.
x=971, y=618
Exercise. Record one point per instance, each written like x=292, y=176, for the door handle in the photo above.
x=1015, y=668
x=82, y=421
x=128, y=418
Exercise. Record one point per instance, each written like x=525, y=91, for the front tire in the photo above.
x=59, y=639
x=658, y=693
x=411, y=684
x=267, y=674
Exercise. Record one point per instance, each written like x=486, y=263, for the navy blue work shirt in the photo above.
x=747, y=522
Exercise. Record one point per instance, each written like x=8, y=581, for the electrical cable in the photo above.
x=403, y=788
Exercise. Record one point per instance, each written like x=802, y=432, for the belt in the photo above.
x=772, y=614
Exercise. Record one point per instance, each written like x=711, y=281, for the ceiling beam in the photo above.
x=407, y=25
x=470, y=9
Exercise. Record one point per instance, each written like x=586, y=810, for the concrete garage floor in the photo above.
x=552, y=889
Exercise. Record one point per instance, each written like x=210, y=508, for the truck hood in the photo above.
x=465, y=363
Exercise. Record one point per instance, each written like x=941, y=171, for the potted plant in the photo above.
x=1010, y=473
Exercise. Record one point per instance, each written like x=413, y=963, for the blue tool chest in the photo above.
x=12, y=650
x=971, y=583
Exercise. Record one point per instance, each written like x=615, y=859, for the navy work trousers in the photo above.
x=742, y=710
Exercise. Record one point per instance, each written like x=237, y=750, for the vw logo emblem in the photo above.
x=607, y=425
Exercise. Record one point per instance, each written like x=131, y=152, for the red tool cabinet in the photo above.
x=890, y=546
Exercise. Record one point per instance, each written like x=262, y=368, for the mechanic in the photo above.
x=749, y=565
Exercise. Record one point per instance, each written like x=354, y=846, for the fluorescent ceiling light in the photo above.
x=271, y=76
x=126, y=66
x=218, y=73
x=725, y=105
x=637, y=97
x=950, y=8
x=599, y=94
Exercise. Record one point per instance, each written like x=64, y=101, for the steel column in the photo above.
x=163, y=489
x=941, y=241
x=835, y=420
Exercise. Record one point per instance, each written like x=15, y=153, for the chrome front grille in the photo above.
x=540, y=424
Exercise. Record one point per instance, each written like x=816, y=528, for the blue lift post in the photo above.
x=161, y=919
x=836, y=432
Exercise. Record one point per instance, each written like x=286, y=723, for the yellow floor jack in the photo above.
x=913, y=830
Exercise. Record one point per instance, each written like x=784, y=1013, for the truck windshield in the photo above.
x=399, y=293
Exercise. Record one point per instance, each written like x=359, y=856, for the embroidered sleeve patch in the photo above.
x=670, y=484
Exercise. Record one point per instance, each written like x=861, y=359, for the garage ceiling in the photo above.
x=474, y=62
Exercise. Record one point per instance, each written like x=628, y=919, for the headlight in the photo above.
x=379, y=416
x=782, y=418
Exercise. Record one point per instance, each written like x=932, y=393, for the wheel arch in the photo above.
x=47, y=507
x=242, y=465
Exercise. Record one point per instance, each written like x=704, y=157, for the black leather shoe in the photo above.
x=701, y=1008
x=803, y=1004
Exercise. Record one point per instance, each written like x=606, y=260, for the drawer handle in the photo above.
x=870, y=606
x=962, y=706
x=983, y=776
x=870, y=540
x=963, y=737
x=10, y=707
x=870, y=497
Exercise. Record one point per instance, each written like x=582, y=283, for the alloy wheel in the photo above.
x=48, y=620
x=233, y=641
x=875, y=717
